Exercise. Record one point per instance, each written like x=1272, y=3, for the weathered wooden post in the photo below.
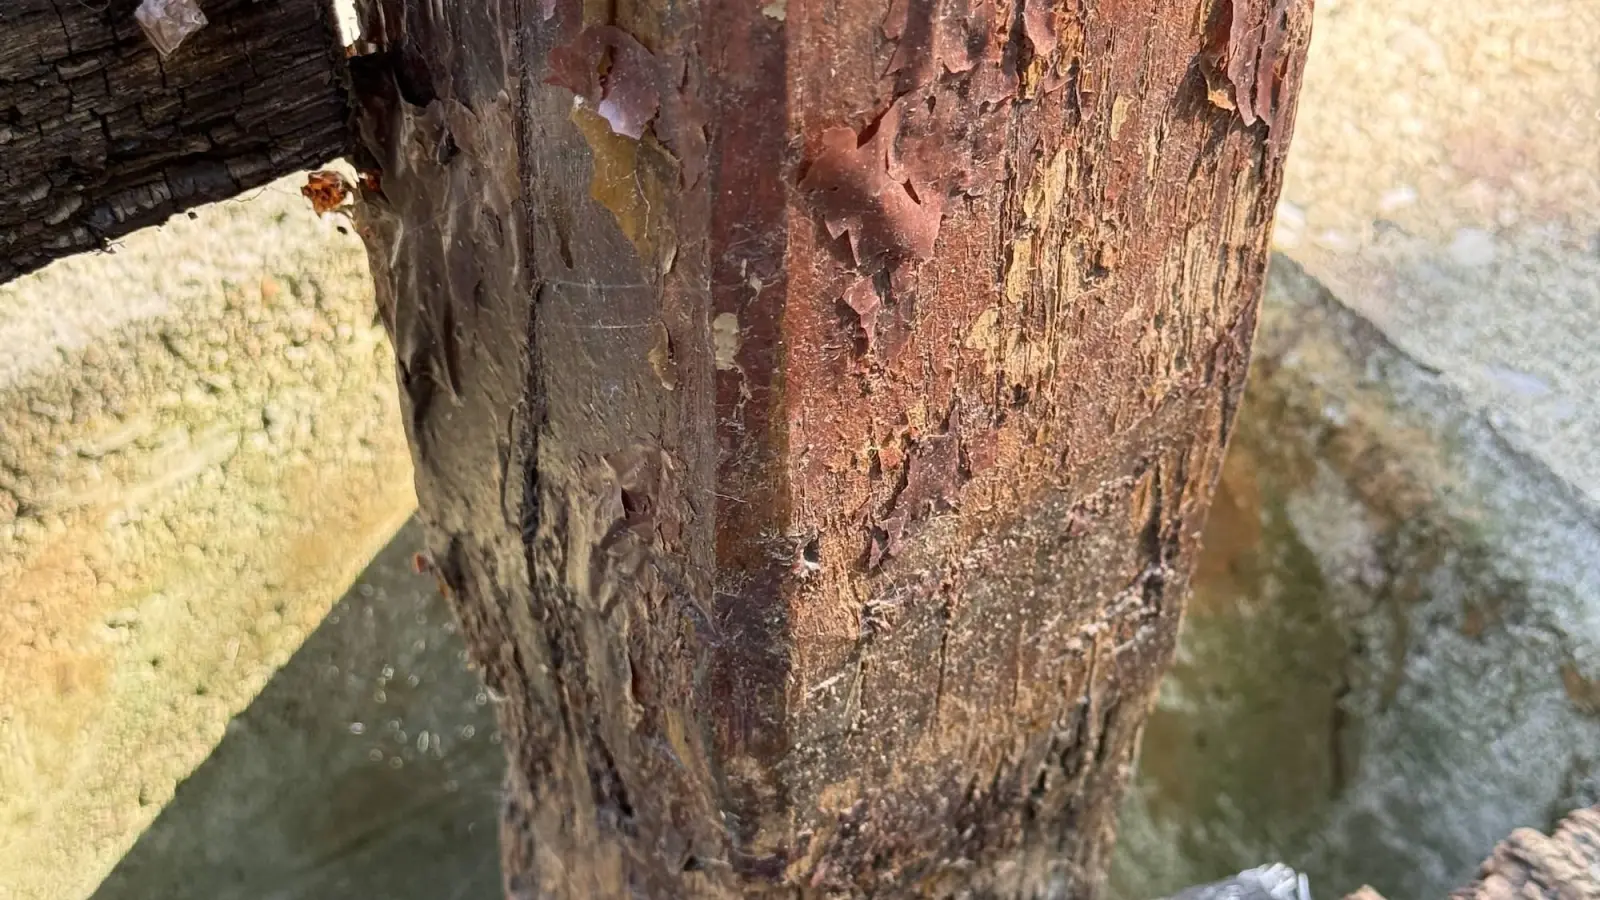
x=814, y=406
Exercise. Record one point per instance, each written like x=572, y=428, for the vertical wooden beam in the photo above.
x=815, y=405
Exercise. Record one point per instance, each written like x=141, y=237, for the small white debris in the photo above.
x=168, y=22
x=725, y=340
x=1473, y=248
x=1397, y=198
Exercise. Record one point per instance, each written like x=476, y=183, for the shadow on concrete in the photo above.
x=368, y=767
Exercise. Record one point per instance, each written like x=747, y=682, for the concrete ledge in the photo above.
x=1390, y=657
x=200, y=448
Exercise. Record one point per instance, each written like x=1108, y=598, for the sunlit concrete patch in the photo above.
x=200, y=447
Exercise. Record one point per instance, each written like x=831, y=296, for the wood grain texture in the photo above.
x=100, y=136
x=815, y=405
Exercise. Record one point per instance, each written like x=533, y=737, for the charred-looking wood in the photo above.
x=100, y=136
x=814, y=406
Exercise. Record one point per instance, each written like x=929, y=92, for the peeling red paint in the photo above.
x=887, y=184
x=635, y=90
x=933, y=473
x=883, y=538
x=862, y=298
x=933, y=476
x=1249, y=56
x=682, y=123
x=1038, y=23
x=888, y=220
x=613, y=72
x=982, y=449
x=931, y=35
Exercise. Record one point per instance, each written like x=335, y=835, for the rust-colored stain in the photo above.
x=327, y=190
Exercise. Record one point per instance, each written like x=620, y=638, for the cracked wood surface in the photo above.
x=815, y=405
x=99, y=135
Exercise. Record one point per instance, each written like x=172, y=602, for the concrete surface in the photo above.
x=369, y=766
x=199, y=448
x=1445, y=183
x=1392, y=653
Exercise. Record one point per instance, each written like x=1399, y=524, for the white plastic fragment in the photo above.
x=1273, y=882
x=168, y=22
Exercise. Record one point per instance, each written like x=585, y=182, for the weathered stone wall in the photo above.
x=199, y=448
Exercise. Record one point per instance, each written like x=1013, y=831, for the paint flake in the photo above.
x=889, y=220
x=168, y=23
x=1249, y=54
x=1038, y=23
x=862, y=298
x=611, y=71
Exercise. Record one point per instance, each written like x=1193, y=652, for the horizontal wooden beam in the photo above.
x=100, y=135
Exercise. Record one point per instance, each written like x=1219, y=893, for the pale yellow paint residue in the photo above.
x=1119, y=115
x=996, y=331
x=666, y=368
x=983, y=336
x=619, y=182
x=726, y=340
